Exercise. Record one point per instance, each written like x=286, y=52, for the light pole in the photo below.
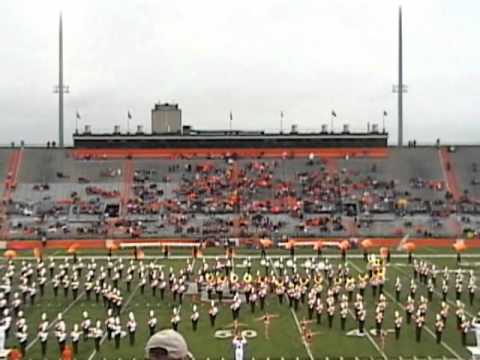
x=60, y=89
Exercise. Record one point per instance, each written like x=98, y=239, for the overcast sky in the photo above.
x=256, y=58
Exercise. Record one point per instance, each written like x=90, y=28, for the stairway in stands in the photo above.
x=453, y=186
x=449, y=173
x=10, y=184
x=128, y=172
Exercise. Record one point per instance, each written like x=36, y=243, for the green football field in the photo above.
x=285, y=338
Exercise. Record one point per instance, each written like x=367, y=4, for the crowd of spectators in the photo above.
x=234, y=197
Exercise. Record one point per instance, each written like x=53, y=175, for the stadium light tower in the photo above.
x=60, y=89
x=400, y=88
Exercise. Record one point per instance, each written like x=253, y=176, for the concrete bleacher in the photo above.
x=43, y=166
x=463, y=159
x=401, y=166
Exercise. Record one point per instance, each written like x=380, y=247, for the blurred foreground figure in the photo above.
x=167, y=345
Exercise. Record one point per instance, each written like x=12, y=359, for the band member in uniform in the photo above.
x=41, y=284
x=152, y=322
x=43, y=334
x=266, y=322
x=330, y=312
x=61, y=335
x=311, y=306
x=343, y=314
x=132, y=328
x=235, y=306
x=128, y=281
x=97, y=335
x=7, y=322
x=175, y=320
x=253, y=300
x=430, y=289
x=361, y=320
x=75, y=285
x=398, y=324
x=379, y=322
x=86, y=324
x=22, y=337
x=460, y=313
x=239, y=343
x=280, y=290
x=110, y=324
x=194, y=317
x=409, y=309
x=212, y=313
x=413, y=289
x=444, y=290
x=66, y=286
x=55, y=285
x=419, y=322
x=319, y=310
x=162, y=285
x=458, y=288
x=143, y=282
x=471, y=289
x=117, y=332
x=439, y=326
x=88, y=289
x=262, y=294
x=75, y=336
x=98, y=290
x=464, y=329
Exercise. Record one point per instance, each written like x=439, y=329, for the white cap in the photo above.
x=170, y=341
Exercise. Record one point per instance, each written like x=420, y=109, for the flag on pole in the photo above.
x=231, y=116
x=129, y=115
x=334, y=114
x=78, y=115
x=385, y=113
x=281, y=114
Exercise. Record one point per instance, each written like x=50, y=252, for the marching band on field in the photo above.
x=323, y=288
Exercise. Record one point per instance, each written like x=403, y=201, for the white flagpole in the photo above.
x=281, y=122
x=77, y=116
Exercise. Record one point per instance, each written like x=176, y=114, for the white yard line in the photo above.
x=94, y=352
x=305, y=343
x=307, y=347
x=373, y=342
x=56, y=320
x=445, y=345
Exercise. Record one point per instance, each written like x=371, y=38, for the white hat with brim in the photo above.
x=172, y=342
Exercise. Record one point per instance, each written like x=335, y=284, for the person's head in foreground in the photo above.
x=167, y=345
